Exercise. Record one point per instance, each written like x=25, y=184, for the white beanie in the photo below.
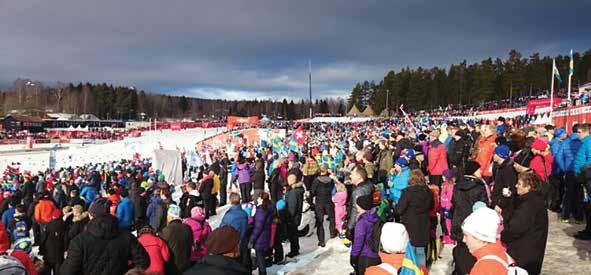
x=483, y=224
x=394, y=237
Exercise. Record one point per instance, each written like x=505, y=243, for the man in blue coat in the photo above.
x=125, y=211
x=582, y=168
x=237, y=218
x=571, y=203
x=557, y=177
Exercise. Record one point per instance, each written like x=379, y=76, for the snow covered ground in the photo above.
x=124, y=149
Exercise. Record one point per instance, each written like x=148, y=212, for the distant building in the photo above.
x=16, y=123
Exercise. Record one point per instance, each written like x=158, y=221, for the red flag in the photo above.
x=300, y=135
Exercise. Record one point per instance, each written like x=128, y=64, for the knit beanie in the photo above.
x=482, y=224
x=539, y=145
x=502, y=151
x=402, y=162
x=394, y=237
x=471, y=167
x=365, y=202
x=100, y=207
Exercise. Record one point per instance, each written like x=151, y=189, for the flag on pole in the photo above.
x=300, y=135
x=571, y=65
x=556, y=72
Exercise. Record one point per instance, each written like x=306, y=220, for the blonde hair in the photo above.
x=341, y=187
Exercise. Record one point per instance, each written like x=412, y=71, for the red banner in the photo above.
x=176, y=126
x=533, y=104
x=234, y=121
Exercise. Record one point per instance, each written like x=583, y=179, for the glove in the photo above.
x=353, y=261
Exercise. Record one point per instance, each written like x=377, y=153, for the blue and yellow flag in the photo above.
x=556, y=72
x=410, y=264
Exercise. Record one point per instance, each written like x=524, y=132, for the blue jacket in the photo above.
x=398, y=183
x=557, y=147
x=570, y=151
x=583, y=155
x=237, y=219
x=155, y=212
x=89, y=193
x=7, y=216
x=125, y=213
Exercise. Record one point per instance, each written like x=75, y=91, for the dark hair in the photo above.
x=295, y=172
x=234, y=198
x=361, y=170
x=531, y=179
x=266, y=201
x=416, y=177
x=124, y=193
x=146, y=229
x=192, y=185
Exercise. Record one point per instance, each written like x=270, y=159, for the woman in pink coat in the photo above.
x=340, y=200
x=201, y=230
x=156, y=248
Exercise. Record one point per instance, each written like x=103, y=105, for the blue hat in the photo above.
x=559, y=132
x=477, y=205
x=280, y=205
x=502, y=151
x=174, y=210
x=402, y=162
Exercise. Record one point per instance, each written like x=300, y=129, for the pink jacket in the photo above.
x=158, y=251
x=201, y=230
x=340, y=201
x=447, y=192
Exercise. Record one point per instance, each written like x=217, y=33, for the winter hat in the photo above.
x=222, y=240
x=100, y=207
x=539, y=145
x=483, y=224
x=394, y=237
x=402, y=162
x=502, y=151
x=175, y=211
x=448, y=174
x=365, y=202
x=559, y=132
x=477, y=205
x=24, y=244
x=471, y=167
x=280, y=205
x=197, y=212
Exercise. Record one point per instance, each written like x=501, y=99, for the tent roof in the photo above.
x=354, y=111
x=368, y=111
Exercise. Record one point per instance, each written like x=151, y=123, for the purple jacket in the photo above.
x=261, y=234
x=243, y=173
x=363, y=230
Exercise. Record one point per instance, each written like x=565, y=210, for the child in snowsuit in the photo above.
x=447, y=191
x=340, y=207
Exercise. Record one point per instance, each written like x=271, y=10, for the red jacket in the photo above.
x=44, y=210
x=437, y=159
x=158, y=252
x=537, y=164
x=486, y=149
x=489, y=266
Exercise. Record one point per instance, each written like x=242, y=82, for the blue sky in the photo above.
x=246, y=49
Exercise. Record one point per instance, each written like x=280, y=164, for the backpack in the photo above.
x=512, y=269
x=11, y=265
x=376, y=233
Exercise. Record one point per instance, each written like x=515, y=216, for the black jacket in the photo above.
x=295, y=202
x=459, y=151
x=258, y=179
x=526, y=231
x=217, y=265
x=77, y=227
x=187, y=202
x=205, y=188
x=505, y=177
x=322, y=189
x=139, y=205
x=179, y=238
x=103, y=249
x=53, y=242
x=466, y=193
x=413, y=208
x=363, y=189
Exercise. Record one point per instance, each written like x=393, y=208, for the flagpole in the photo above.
x=310, y=84
x=552, y=88
x=570, y=74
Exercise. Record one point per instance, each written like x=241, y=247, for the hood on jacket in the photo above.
x=468, y=183
x=104, y=227
x=297, y=185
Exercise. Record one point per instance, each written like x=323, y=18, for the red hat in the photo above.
x=539, y=145
x=56, y=214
